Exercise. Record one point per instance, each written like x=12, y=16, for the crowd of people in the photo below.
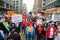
x=8, y=29
x=32, y=27
x=40, y=28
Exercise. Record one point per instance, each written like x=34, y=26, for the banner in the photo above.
x=16, y=19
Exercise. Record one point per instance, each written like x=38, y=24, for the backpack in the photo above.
x=29, y=29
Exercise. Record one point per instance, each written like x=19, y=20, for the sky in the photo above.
x=29, y=4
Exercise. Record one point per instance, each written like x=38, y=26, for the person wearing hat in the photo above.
x=39, y=32
x=23, y=25
x=51, y=32
x=30, y=32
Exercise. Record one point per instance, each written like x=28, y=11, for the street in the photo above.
x=29, y=19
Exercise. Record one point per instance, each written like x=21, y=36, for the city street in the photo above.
x=29, y=19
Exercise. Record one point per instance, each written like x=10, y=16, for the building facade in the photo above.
x=37, y=5
x=52, y=7
x=6, y=5
x=17, y=6
x=48, y=4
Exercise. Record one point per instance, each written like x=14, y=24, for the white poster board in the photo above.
x=16, y=19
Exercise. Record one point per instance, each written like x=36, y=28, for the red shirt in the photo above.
x=39, y=30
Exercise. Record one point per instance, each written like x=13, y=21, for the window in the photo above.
x=44, y=4
x=17, y=7
x=11, y=7
x=14, y=6
x=7, y=5
x=14, y=9
x=2, y=4
x=16, y=2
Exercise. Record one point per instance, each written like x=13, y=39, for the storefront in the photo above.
x=53, y=11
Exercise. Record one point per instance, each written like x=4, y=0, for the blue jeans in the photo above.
x=29, y=36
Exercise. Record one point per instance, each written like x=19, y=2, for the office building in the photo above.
x=17, y=6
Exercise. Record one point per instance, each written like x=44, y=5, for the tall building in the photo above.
x=17, y=6
x=37, y=5
x=24, y=7
x=5, y=5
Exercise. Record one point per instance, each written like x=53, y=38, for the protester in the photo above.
x=6, y=25
x=9, y=25
x=39, y=32
x=44, y=27
x=56, y=23
x=51, y=32
x=13, y=36
x=34, y=20
x=13, y=27
x=29, y=22
x=36, y=27
x=2, y=31
x=13, y=30
x=2, y=35
x=29, y=32
x=23, y=24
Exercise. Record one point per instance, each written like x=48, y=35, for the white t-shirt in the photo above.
x=51, y=33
